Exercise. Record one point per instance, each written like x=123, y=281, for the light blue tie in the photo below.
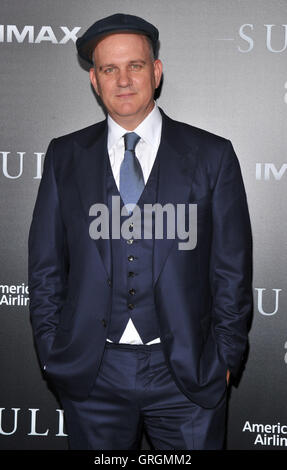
x=131, y=175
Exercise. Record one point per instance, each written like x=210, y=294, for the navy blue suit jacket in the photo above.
x=203, y=296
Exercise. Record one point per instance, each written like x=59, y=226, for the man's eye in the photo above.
x=109, y=70
x=136, y=66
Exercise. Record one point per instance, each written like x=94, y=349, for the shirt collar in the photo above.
x=149, y=129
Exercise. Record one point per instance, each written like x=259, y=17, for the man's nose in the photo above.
x=123, y=78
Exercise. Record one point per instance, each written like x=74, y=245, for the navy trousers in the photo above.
x=134, y=390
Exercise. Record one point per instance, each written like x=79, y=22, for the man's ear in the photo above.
x=157, y=72
x=93, y=79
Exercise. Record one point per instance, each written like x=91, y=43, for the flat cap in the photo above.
x=119, y=22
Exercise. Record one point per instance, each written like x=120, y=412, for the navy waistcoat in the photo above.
x=132, y=262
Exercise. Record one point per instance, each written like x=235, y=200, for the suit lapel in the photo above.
x=177, y=163
x=90, y=165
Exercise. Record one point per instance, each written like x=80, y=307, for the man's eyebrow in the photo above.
x=137, y=60
x=101, y=67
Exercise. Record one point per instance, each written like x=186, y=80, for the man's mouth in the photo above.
x=125, y=95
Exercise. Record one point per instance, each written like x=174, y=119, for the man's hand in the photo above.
x=227, y=377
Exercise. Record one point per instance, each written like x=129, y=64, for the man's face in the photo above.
x=125, y=77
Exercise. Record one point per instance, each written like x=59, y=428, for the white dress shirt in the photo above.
x=149, y=131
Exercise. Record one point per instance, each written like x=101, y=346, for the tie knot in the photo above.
x=131, y=140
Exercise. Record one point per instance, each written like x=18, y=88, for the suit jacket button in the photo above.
x=131, y=274
x=131, y=257
x=131, y=306
x=104, y=323
x=132, y=291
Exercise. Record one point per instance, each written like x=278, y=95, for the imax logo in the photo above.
x=266, y=171
x=11, y=33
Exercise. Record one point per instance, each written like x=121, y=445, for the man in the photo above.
x=133, y=331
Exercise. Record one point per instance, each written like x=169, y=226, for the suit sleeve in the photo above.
x=47, y=264
x=231, y=262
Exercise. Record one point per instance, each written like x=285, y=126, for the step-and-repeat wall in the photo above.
x=224, y=71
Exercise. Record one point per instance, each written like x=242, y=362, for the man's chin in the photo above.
x=127, y=110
